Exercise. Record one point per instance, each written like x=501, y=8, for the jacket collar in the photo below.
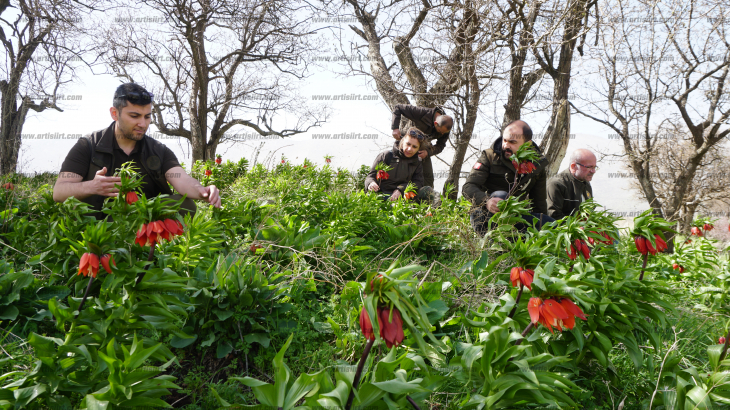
x=105, y=143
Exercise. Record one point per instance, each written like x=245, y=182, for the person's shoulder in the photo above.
x=488, y=155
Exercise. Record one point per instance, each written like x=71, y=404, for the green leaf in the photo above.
x=260, y=338
x=223, y=349
x=182, y=342
x=9, y=312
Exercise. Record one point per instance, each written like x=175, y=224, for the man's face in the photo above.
x=442, y=129
x=133, y=120
x=410, y=146
x=511, y=142
x=580, y=171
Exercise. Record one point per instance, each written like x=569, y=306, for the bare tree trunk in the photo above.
x=557, y=136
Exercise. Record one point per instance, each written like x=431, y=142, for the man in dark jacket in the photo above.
x=83, y=174
x=492, y=177
x=567, y=190
x=406, y=168
x=433, y=123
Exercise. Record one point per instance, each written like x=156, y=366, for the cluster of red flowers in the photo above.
x=131, y=197
x=89, y=264
x=697, y=231
x=722, y=340
x=551, y=313
x=208, y=172
x=579, y=245
x=327, y=160
x=644, y=245
x=382, y=175
x=525, y=167
x=391, y=332
x=520, y=276
x=678, y=266
x=154, y=231
x=9, y=186
x=608, y=241
x=409, y=195
x=218, y=160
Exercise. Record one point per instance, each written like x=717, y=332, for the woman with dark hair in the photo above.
x=406, y=167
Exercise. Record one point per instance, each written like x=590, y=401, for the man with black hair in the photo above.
x=84, y=172
x=433, y=123
x=492, y=177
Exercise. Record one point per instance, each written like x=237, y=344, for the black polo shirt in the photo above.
x=78, y=160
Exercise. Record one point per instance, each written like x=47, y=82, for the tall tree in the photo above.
x=446, y=54
x=218, y=64
x=575, y=17
x=676, y=66
x=41, y=48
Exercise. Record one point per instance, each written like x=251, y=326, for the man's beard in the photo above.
x=131, y=136
x=507, y=153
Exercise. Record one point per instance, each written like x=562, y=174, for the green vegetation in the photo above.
x=260, y=302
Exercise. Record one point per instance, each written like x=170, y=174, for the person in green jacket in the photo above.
x=568, y=189
x=406, y=167
x=492, y=177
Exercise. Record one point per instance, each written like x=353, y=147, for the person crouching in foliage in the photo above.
x=404, y=167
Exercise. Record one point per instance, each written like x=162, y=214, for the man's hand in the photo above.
x=422, y=154
x=396, y=134
x=395, y=196
x=492, y=205
x=103, y=185
x=373, y=187
x=211, y=194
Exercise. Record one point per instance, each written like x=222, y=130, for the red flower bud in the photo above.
x=640, y=242
x=131, y=197
x=722, y=340
x=105, y=262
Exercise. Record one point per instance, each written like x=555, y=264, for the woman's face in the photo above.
x=410, y=146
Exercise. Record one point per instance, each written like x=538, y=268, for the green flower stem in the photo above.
x=643, y=267
x=149, y=259
x=86, y=294
x=517, y=302
x=358, y=372
x=583, y=352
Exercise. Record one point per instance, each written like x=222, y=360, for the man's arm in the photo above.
x=555, y=199
x=440, y=144
x=411, y=112
x=69, y=184
x=538, y=193
x=474, y=188
x=187, y=185
x=373, y=173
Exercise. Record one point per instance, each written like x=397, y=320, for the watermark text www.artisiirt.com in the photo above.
x=345, y=97
x=345, y=136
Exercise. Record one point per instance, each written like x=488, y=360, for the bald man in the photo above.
x=491, y=178
x=568, y=189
